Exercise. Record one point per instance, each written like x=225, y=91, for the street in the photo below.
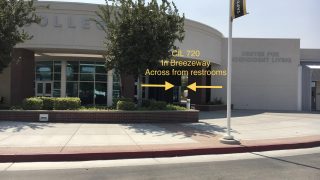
x=255, y=166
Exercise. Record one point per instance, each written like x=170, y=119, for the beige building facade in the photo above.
x=64, y=58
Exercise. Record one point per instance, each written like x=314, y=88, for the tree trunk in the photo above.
x=139, y=90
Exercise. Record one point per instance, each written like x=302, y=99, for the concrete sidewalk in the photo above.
x=256, y=130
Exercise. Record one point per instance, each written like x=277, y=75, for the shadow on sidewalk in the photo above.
x=187, y=130
x=20, y=126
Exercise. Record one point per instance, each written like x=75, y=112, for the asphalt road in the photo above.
x=302, y=167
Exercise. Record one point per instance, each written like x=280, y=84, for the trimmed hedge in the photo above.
x=115, y=100
x=175, y=107
x=67, y=103
x=50, y=103
x=157, y=105
x=32, y=103
x=125, y=105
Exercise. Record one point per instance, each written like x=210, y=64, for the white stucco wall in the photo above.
x=66, y=28
x=272, y=83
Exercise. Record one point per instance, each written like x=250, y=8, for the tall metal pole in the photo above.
x=229, y=76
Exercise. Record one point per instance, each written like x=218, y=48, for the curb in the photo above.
x=152, y=154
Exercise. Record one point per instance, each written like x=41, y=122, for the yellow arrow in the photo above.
x=194, y=87
x=166, y=85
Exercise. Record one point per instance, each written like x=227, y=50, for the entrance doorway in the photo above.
x=44, y=88
x=313, y=96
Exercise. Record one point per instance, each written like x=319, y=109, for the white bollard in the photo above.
x=188, y=104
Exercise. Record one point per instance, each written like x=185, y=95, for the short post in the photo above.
x=188, y=106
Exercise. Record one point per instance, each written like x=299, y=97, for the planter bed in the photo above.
x=102, y=116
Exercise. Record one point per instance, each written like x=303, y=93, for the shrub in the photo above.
x=94, y=108
x=33, y=103
x=175, y=107
x=115, y=100
x=146, y=103
x=16, y=108
x=67, y=103
x=157, y=105
x=125, y=105
x=48, y=103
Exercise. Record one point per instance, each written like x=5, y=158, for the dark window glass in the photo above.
x=86, y=77
x=87, y=67
x=40, y=88
x=101, y=77
x=116, y=86
x=101, y=93
x=56, y=85
x=72, y=89
x=115, y=94
x=57, y=77
x=57, y=67
x=44, y=67
x=56, y=93
x=86, y=92
x=72, y=67
x=48, y=88
x=44, y=76
x=100, y=68
x=72, y=77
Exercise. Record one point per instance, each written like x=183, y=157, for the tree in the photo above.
x=139, y=34
x=14, y=14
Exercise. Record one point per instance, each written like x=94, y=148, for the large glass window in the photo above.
x=100, y=93
x=84, y=79
x=72, y=89
x=44, y=71
x=86, y=92
x=116, y=86
x=48, y=71
x=87, y=80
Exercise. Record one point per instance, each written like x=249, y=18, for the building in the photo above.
x=64, y=58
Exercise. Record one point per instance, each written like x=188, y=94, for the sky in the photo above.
x=298, y=19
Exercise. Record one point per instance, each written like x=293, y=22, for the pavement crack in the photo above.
x=70, y=138
x=6, y=169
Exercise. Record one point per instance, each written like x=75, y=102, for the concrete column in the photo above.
x=110, y=88
x=22, y=75
x=63, y=79
x=306, y=88
x=299, y=95
x=147, y=89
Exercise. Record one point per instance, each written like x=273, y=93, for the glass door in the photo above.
x=44, y=89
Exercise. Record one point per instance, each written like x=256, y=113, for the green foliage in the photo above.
x=69, y=103
x=33, y=103
x=139, y=34
x=94, y=108
x=16, y=108
x=115, y=100
x=157, y=105
x=14, y=14
x=146, y=103
x=125, y=105
x=48, y=103
x=175, y=107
